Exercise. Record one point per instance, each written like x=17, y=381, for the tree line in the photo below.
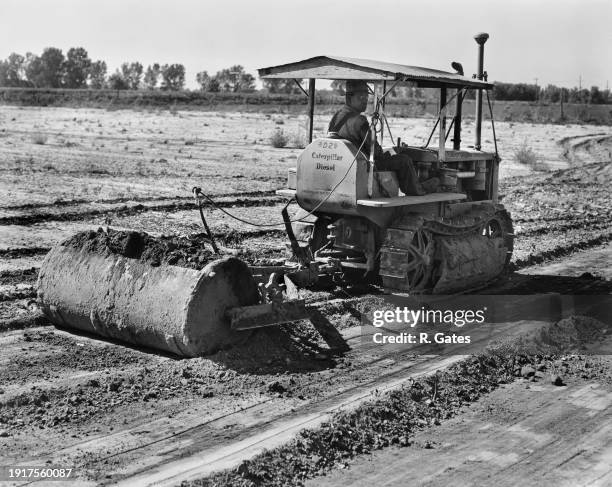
x=53, y=69
x=551, y=93
x=77, y=70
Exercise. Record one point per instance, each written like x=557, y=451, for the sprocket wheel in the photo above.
x=500, y=227
x=420, y=260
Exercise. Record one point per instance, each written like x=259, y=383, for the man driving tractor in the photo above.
x=350, y=124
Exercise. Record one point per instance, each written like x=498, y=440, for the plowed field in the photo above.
x=120, y=414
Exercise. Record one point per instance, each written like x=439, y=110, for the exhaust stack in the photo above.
x=480, y=39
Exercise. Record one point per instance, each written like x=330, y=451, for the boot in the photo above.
x=431, y=185
x=409, y=181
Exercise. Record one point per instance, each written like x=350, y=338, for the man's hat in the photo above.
x=354, y=86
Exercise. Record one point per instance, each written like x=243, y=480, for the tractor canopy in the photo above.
x=389, y=75
x=343, y=68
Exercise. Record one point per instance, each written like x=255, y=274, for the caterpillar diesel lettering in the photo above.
x=353, y=223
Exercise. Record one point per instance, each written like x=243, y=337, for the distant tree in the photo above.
x=235, y=79
x=564, y=94
x=273, y=85
x=579, y=96
x=52, y=60
x=214, y=86
x=206, y=82
x=76, y=67
x=515, y=91
x=282, y=86
x=15, y=69
x=550, y=93
x=596, y=96
x=225, y=79
x=173, y=77
x=116, y=81
x=151, y=77
x=132, y=72
x=34, y=70
x=97, y=75
x=246, y=83
x=3, y=73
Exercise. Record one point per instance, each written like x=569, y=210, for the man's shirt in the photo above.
x=350, y=124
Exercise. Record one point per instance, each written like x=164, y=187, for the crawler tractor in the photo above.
x=453, y=240
x=353, y=224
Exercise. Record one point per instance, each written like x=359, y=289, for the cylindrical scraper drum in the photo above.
x=166, y=307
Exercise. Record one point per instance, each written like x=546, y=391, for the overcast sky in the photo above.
x=554, y=41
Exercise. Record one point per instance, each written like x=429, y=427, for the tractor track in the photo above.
x=124, y=210
x=23, y=252
x=550, y=219
x=137, y=199
x=588, y=224
x=21, y=291
x=590, y=144
x=560, y=251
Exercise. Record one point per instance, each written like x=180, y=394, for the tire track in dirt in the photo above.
x=586, y=224
x=27, y=220
x=77, y=202
x=23, y=252
x=591, y=144
x=19, y=291
x=560, y=251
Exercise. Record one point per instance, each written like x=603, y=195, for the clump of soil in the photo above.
x=192, y=252
x=20, y=276
x=572, y=334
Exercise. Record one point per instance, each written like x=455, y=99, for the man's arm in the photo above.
x=362, y=129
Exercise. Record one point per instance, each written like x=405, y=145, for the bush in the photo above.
x=279, y=139
x=298, y=140
x=40, y=139
x=527, y=156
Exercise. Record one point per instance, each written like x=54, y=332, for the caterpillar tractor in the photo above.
x=353, y=224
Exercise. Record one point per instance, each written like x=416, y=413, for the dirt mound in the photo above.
x=573, y=334
x=191, y=252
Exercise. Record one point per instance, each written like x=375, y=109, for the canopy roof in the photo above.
x=342, y=68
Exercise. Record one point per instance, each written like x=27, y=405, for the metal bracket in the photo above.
x=267, y=314
x=302, y=254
